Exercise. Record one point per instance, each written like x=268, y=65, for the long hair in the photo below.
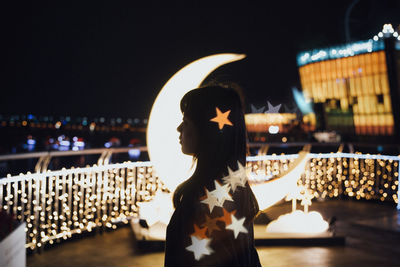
x=217, y=149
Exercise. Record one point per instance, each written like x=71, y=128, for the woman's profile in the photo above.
x=214, y=209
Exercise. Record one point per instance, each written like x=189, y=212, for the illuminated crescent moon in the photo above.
x=170, y=164
x=272, y=191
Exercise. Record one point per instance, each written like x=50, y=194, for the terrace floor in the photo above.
x=372, y=232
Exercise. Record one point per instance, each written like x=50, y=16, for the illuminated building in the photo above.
x=261, y=122
x=355, y=87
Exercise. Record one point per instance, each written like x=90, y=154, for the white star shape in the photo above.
x=236, y=178
x=237, y=226
x=272, y=109
x=199, y=247
x=221, y=192
x=211, y=200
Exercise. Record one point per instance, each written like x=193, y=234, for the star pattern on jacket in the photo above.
x=237, y=226
x=210, y=222
x=226, y=218
x=222, y=118
x=199, y=232
x=199, y=247
x=211, y=200
x=221, y=193
x=236, y=178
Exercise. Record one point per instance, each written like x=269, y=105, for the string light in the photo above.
x=58, y=204
x=355, y=175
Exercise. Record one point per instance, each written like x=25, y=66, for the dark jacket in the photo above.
x=191, y=223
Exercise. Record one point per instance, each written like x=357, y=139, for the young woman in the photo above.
x=214, y=209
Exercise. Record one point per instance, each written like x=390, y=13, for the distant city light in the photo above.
x=273, y=129
x=134, y=153
x=92, y=126
x=65, y=143
x=78, y=144
x=31, y=142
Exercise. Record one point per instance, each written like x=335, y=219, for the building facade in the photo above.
x=355, y=87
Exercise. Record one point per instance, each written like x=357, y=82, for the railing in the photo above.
x=58, y=204
x=45, y=157
x=359, y=176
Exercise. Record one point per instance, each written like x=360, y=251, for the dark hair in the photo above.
x=217, y=149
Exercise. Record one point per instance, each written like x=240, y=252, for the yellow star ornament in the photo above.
x=222, y=118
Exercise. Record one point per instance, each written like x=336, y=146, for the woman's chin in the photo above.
x=187, y=152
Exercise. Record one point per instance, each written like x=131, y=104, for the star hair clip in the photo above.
x=222, y=118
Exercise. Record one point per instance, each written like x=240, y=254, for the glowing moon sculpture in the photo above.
x=170, y=164
x=272, y=191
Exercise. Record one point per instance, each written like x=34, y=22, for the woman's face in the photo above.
x=188, y=136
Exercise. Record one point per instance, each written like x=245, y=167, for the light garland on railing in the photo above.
x=58, y=204
x=359, y=176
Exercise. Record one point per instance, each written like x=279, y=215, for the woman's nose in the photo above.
x=179, y=128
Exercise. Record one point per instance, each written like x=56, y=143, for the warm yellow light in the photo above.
x=171, y=165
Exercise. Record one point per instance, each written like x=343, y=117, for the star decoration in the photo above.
x=272, y=109
x=221, y=193
x=211, y=225
x=226, y=218
x=236, y=178
x=211, y=200
x=200, y=247
x=222, y=118
x=290, y=110
x=237, y=226
x=256, y=110
x=200, y=232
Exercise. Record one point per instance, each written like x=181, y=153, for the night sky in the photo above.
x=112, y=59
